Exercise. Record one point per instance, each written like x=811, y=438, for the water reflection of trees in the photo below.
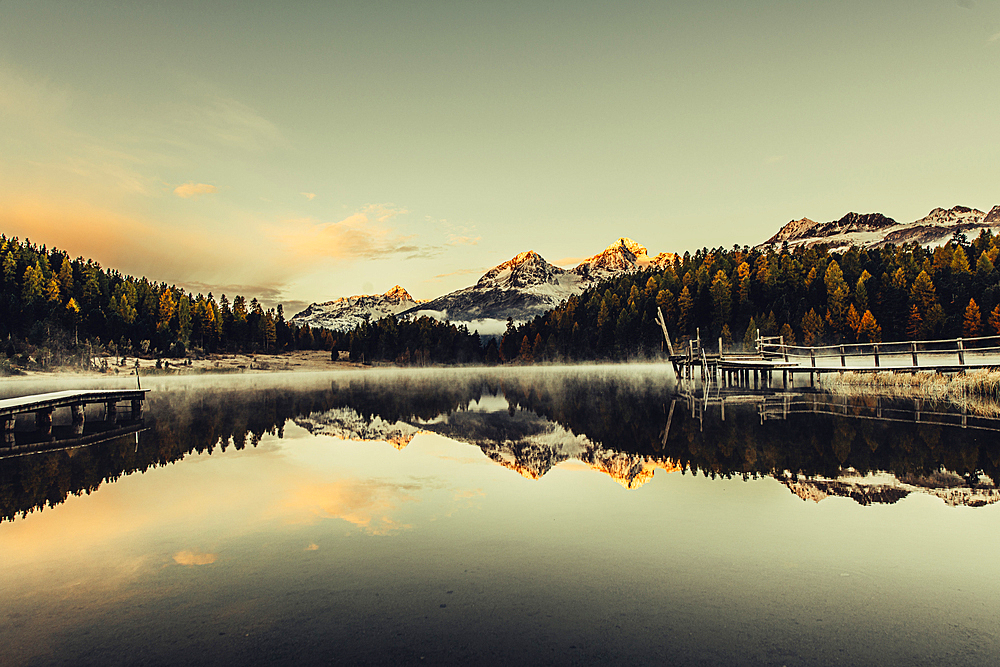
x=177, y=424
x=615, y=412
x=742, y=445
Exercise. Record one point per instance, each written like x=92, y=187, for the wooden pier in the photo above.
x=44, y=405
x=780, y=405
x=757, y=369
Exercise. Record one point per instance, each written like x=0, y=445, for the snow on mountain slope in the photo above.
x=520, y=288
x=874, y=230
x=527, y=285
x=621, y=256
x=346, y=313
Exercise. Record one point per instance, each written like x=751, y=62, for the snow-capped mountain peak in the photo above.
x=397, y=293
x=347, y=312
x=873, y=230
x=622, y=256
x=524, y=270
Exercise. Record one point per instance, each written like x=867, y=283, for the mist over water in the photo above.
x=547, y=515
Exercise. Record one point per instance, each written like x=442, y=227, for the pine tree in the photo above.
x=853, y=321
x=995, y=320
x=812, y=328
x=525, y=354
x=750, y=337
x=868, y=329
x=722, y=300
x=915, y=323
x=787, y=335
x=686, y=305
x=972, y=323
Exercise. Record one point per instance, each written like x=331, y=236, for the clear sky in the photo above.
x=303, y=151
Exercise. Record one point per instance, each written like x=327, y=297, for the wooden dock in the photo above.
x=757, y=369
x=44, y=405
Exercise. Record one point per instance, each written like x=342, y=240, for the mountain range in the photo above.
x=520, y=288
x=874, y=230
x=346, y=313
x=527, y=285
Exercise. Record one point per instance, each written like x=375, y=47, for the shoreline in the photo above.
x=297, y=361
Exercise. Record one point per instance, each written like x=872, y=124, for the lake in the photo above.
x=512, y=516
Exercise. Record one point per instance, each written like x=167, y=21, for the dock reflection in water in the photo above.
x=466, y=516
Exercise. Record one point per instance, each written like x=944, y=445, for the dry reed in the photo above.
x=977, y=391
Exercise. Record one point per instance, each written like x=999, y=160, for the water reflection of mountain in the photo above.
x=618, y=421
x=619, y=424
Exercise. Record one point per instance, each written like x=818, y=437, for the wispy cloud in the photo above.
x=308, y=195
x=363, y=235
x=189, y=190
x=226, y=121
x=461, y=272
x=193, y=558
x=30, y=98
x=456, y=240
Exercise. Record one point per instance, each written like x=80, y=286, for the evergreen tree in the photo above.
x=972, y=323
x=812, y=328
x=868, y=329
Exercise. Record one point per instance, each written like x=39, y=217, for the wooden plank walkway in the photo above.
x=59, y=399
x=772, y=355
x=43, y=405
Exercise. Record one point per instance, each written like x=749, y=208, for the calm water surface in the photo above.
x=543, y=516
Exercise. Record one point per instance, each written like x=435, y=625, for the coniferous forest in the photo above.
x=54, y=309
x=808, y=296
x=57, y=310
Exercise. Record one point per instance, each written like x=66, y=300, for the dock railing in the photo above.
x=910, y=354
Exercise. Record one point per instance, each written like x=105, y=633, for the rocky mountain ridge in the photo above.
x=345, y=313
x=520, y=288
x=527, y=285
x=874, y=230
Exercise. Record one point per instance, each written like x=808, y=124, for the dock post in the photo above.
x=43, y=420
x=961, y=353
x=843, y=359
x=784, y=379
x=136, y=408
x=79, y=417
x=7, y=430
x=111, y=411
x=913, y=353
x=876, y=354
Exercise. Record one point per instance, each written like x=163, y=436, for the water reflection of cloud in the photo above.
x=367, y=504
x=194, y=558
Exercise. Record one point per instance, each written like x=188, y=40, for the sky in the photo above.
x=299, y=151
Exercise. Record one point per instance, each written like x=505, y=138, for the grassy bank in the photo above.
x=978, y=391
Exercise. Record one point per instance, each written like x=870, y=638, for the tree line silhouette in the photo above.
x=51, y=307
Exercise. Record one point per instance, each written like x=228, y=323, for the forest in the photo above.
x=53, y=307
x=807, y=295
x=56, y=311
